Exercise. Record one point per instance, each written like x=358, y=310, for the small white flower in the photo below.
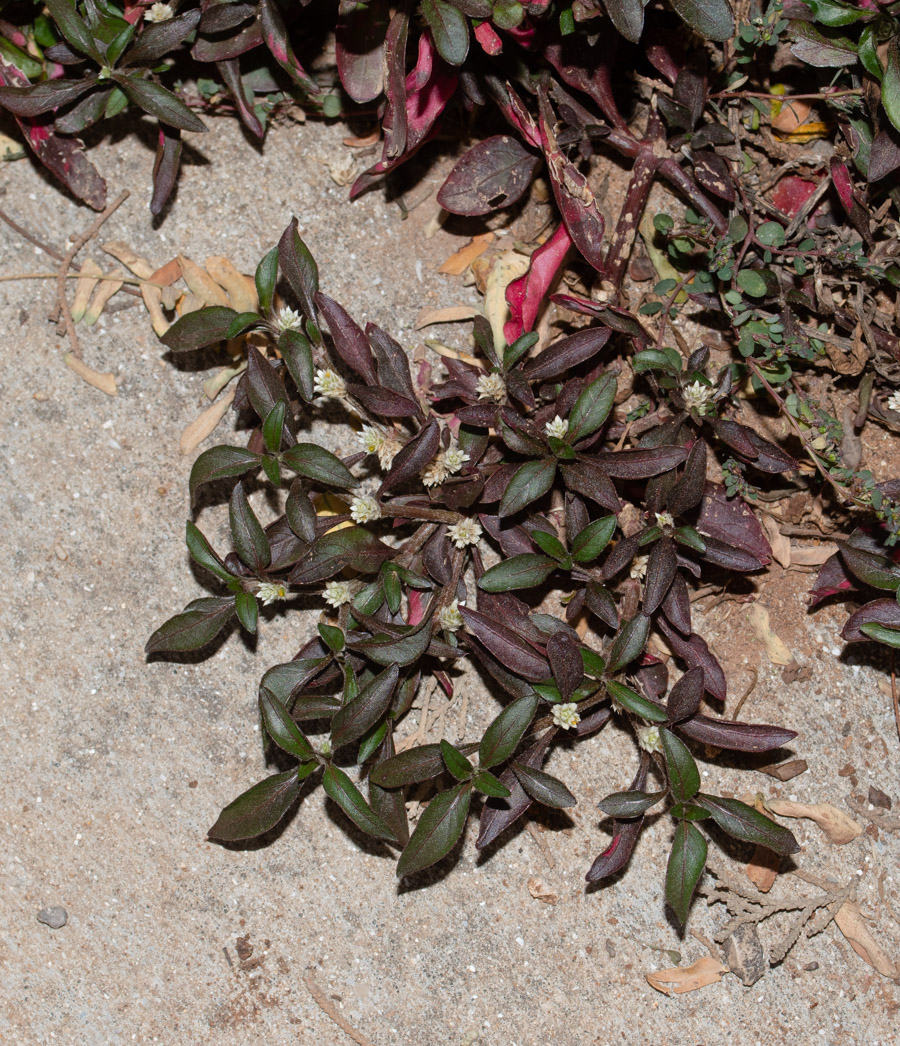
x=268, y=592
x=435, y=472
x=649, y=738
x=288, y=320
x=893, y=402
x=337, y=593
x=364, y=509
x=454, y=459
x=466, y=532
x=450, y=618
x=491, y=387
x=696, y=396
x=325, y=747
x=639, y=568
x=371, y=439
x=566, y=715
x=558, y=428
x=329, y=383
x=158, y=13
x=665, y=519
x=388, y=450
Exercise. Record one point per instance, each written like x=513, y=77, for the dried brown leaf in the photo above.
x=450, y=314
x=104, y=382
x=123, y=253
x=837, y=825
x=776, y=648
x=102, y=295
x=195, y=433
x=458, y=262
x=812, y=557
x=681, y=979
x=200, y=283
x=241, y=289
x=84, y=287
x=781, y=545
x=762, y=870
x=153, y=298
x=850, y=922
x=540, y=892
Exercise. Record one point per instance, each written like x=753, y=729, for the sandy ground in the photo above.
x=114, y=768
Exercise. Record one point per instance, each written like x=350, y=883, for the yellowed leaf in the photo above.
x=83, y=288
x=542, y=893
x=123, y=253
x=850, y=922
x=102, y=295
x=241, y=289
x=458, y=262
x=450, y=314
x=153, y=298
x=105, y=382
x=776, y=648
x=195, y=433
x=453, y=354
x=837, y=825
x=214, y=385
x=781, y=545
x=508, y=267
x=680, y=979
x=167, y=274
x=200, y=283
x=10, y=149
x=188, y=303
x=812, y=557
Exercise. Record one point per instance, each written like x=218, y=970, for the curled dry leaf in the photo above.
x=195, y=433
x=681, y=979
x=83, y=288
x=812, y=557
x=458, y=262
x=201, y=284
x=123, y=253
x=781, y=545
x=838, y=826
x=508, y=267
x=450, y=314
x=241, y=289
x=776, y=648
x=104, y=382
x=541, y=892
x=850, y=922
x=102, y=295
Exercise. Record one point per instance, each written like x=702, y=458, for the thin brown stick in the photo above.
x=25, y=234
x=328, y=1008
x=747, y=693
x=541, y=845
x=68, y=258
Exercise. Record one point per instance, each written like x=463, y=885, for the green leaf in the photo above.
x=485, y=782
x=414, y=765
x=281, y=728
x=297, y=354
x=771, y=234
x=513, y=353
x=653, y=359
x=868, y=52
x=549, y=543
x=265, y=278
x=438, y=830
x=711, y=18
x=72, y=26
x=752, y=283
x=543, y=787
x=404, y=649
x=365, y=710
x=259, y=808
x=523, y=571
x=881, y=633
x=460, y=767
x=629, y=804
x=833, y=13
x=220, y=463
x=198, y=624
x=745, y=823
x=241, y=323
x=247, y=610
x=590, y=542
x=634, y=702
x=449, y=28
x=344, y=792
x=318, y=464
x=247, y=534
x=202, y=553
x=198, y=329
x=688, y=536
x=369, y=743
x=332, y=637
x=503, y=735
x=890, y=84
x=159, y=102
x=684, y=777
x=592, y=407
x=629, y=643
x=686, y=863
x=529, y=483
x=689, y=812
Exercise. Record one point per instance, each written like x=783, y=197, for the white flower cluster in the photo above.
x=337, y=593
x=330, y=383
x=893, y=402
x=447, y=463
x=450, y=618
x=364, y=509
x=491, y=387
x=639, y=568
x=268, y=593
x=566, y=715
x=375, y=442
x=159, y=13
x=288, y=319
x=649, y=738
x=697, y=396
x=466, y=532
x=665, y=519
x=558, y=428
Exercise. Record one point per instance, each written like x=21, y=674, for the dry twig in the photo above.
x=326, y=1005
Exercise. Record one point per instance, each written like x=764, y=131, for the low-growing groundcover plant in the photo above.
x=514, y=457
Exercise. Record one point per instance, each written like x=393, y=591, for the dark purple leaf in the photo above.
x=543, y=787
x=276, y=39
x=395, y=85
x=388, y=803
x=412, y=766
x=83, y=114
x=688, y=491
x=832, y=579
x=156, y=100
x=587, y=479
x=730, y=521
x=165, y=169
x=404, y=649
x=391, y=361
x=677, y=605
x=264, y=387
x=248, y=536
x=735, y=436
x=198, y=624
x=353, y=547
x=503, y=735
x=221, y=462
x=686, y=863
x=195, y=330
x=230, y=70
x=627, y=16
x=736, y=737
x=499, y=815
x=639, y=464
x=299, y=268
x=217, y=18
x=884, y=158
x=384, y=402
x=510, y=649
x=661, y=569
x=359, y=47
x=43, y=97
x=629, y=643
x=258, y=809
x=885, y=612
x=414, y=456
x=231, y=48
x=625, y=836
x=159, y=38
x=495, y=173
x=567, y=353
x=599, y=601
x=366, y=709
x=723, y=555
x=769, y=457
x=696, y=654
x=349, y=340
x=749, y=825
x=564, y=654
x=438, y=830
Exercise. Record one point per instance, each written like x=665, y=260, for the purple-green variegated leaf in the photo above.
x=353, y=547
x=510, y=649
x=220, y=463
x=494, y=173
x=198, y=624
x=198, y=329
x=749, y=825
x=883, y=612
x=736, y=737
x=344, y=792
x=530, y=482
x=524, y=571
x=874, y=570
x=258, y=809
x=359, y=48
x=686, y=863
x=629, y=643
x=438, y=830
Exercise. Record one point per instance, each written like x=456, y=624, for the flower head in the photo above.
x=566, y=715
x=649, y=738
x=466, y=532
x=371, y=439
x=159, y=13
x=330, y=383
x=388, y=450
x=287, y=319
x=435, y=472
x=491, y=387
x=558, y=428
x=696, y=396
x=364, y=509
x=337, y=593
x=268, y=592
x=893, y=402
x=450, y=618
x=454, y=459
x=665, y=519
x=639, y=568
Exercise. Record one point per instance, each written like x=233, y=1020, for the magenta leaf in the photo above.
x=526, y=294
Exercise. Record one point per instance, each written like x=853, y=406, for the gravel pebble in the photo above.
x=55, y=917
